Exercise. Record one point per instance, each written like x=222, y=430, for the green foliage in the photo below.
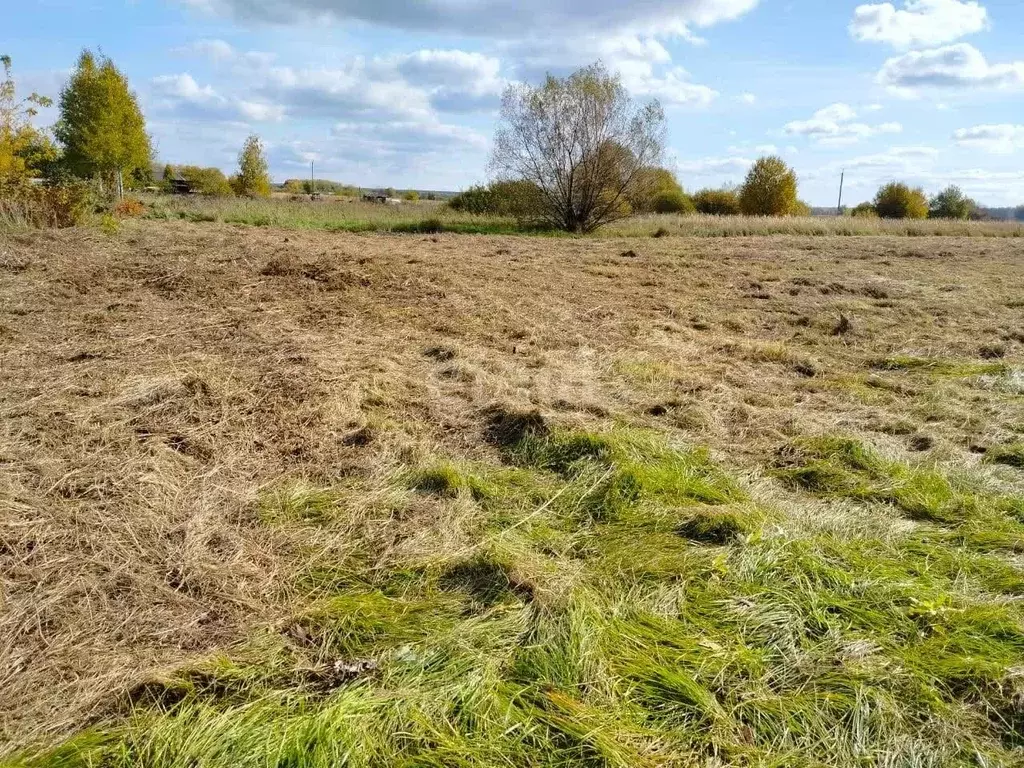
x=168, y=173
x=412, y=196
x=717, y=202
x=952, y=203
x=897, y=200
x=51, y=206
x=673, y=202
x=206, y=181
x=476, y=200
x=650, y=185
x=25, y=152
x=582, y=142
x=253, y=177
x=770, y=189
x=864, y=211
x=101, y=126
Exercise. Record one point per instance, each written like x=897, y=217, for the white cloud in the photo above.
x=920, y=22
x=221, y=52
x=493, y=18
x=182, y=95
x=835, y=125
x=748, y=98
x=715, y=166
x=673, y=88
x=998, y=139
x=955, y=66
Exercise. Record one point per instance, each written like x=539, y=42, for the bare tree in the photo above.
x=582, y=143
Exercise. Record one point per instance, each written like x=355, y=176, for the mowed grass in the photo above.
x=428, y=217
x=624, y=602
x=282, y=498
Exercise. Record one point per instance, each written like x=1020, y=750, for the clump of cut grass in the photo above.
x=1011, y=455
x=298, y=502
x=938, y=367
x=843, y=467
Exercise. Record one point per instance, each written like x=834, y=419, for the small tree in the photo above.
x=412, y=196
x=253, y=177
x=770, y=189
x=717, y=202
x=864, y=211
x=951, y=203
x=581, y=142
x=24, y=150
x=653, y=184
x=897, y=200
x=672, y=201
x=207, y=181
x=101, y=126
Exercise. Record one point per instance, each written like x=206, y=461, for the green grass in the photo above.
x=425, y=217
x=624, y=602
x=939, y=367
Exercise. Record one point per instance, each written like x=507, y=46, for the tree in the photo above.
x=581, y=142
x=25, y=151
x=897, y=200
x=101, y=126
x=411, y=196
x=253, y=177
x=651, y=185
x=717, y=202
x=206, y=181
x=770, y=189
x=673, y=201
x=864, y=211
x=951, y=203
x=1018, y=213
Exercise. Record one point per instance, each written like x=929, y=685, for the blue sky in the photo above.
x=382, y=92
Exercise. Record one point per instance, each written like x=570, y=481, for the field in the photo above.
x=286, y=497
x=347, y=215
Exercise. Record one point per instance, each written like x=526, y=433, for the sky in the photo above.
x=406, y=94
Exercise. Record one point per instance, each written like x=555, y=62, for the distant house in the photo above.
x=178, y=186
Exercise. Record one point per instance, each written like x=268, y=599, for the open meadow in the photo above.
x=280, y=496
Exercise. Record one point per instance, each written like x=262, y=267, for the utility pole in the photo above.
x=842, y=178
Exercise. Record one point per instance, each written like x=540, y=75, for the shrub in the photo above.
x=477, y=199
x=411, y=196
x=770, y=189
x=650, y=185
x=800, y=208
x=717, y=202
x=864, y=211
x=129, y=208
x=207, y=181
x=952, y=203
x=673, y=202
x=60, y=206
x=897, y=200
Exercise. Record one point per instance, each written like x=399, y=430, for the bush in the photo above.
x=412, y=196
x=45, y=207
x=477, y=199
x=899, y=201
x=864, y=211
x=952, y=203
x=717, y=202
x=770, y=189
x=673, y=202
x=207, y=181
x=129, y=208
x=650, y=185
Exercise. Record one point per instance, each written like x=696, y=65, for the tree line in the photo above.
x=98, y=145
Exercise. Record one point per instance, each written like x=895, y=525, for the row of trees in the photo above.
x=578, y=152
x=897, y=200
x=101, y=137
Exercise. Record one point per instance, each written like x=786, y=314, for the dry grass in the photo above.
x=203, y=428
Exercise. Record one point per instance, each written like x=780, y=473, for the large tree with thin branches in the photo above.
x=581, y=143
